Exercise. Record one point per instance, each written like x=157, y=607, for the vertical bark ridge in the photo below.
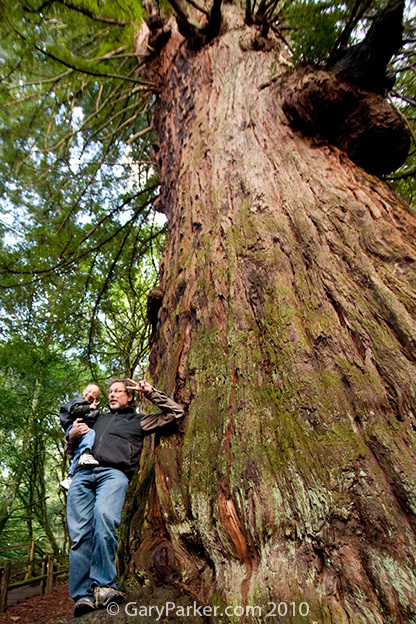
x=287, y=330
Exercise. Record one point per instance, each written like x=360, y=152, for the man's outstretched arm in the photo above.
x=170, y=411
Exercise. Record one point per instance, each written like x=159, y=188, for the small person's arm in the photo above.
x=66, y=415
x=85, y=410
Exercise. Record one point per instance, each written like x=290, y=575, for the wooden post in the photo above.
x=31, y=556
x=44, y=570
x=49, y=572
x=5, y=578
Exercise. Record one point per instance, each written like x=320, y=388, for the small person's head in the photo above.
x=91, y=392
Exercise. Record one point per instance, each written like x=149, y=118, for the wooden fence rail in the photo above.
x=16, y=547
x=46, y=577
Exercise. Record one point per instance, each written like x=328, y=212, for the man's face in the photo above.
x=118, y=397
x=91, y=393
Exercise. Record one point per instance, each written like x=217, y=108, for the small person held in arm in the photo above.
x=96, y=495
x=81, y=410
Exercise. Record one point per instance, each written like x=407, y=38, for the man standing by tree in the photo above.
x=96, y=494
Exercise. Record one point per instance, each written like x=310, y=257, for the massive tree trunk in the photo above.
x=287, y=330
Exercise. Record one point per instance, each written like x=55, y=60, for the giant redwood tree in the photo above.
x=284, y=322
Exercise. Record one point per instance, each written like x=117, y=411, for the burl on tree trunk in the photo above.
x=362, y=124
x=287, y=329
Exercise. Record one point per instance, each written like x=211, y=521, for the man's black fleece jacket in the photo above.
x=119, y=434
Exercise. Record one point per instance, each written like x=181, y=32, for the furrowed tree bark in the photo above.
x=287, y=329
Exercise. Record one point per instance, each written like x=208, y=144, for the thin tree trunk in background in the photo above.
x=287, y=330
x=43, y=495
x=30, y=556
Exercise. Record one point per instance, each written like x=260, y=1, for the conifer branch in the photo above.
x=90, y=14
x=249, y=13
x=37, y=83
x=138, y=135
x=405, y=98
x=100, y=222
x=102, y=291
x=401, y=176
x=188, y=30
x=73, y=257
x=213, y=25
x=198, y=7
x=109, y=276
x=82, y=70
x=40, y=9
x=357, y=13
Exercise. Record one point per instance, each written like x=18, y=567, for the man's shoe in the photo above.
x=87, y=459
x=83, y=606
x=66, y=483
x=105, y=595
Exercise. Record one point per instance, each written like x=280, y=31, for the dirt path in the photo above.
x=16, y=596
x=55, y=608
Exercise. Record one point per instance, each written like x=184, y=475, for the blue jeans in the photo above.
x=86, y=442
x=95, y=500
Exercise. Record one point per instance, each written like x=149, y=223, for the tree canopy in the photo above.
x=78, y=171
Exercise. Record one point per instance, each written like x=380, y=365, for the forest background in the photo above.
x=81, y=241
x=80, y=247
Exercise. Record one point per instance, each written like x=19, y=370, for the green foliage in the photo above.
x=77, y=214
x=35, y=381
x=315, y=27
x=80, y=242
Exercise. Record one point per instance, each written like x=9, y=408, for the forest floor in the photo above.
x=54, y=608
